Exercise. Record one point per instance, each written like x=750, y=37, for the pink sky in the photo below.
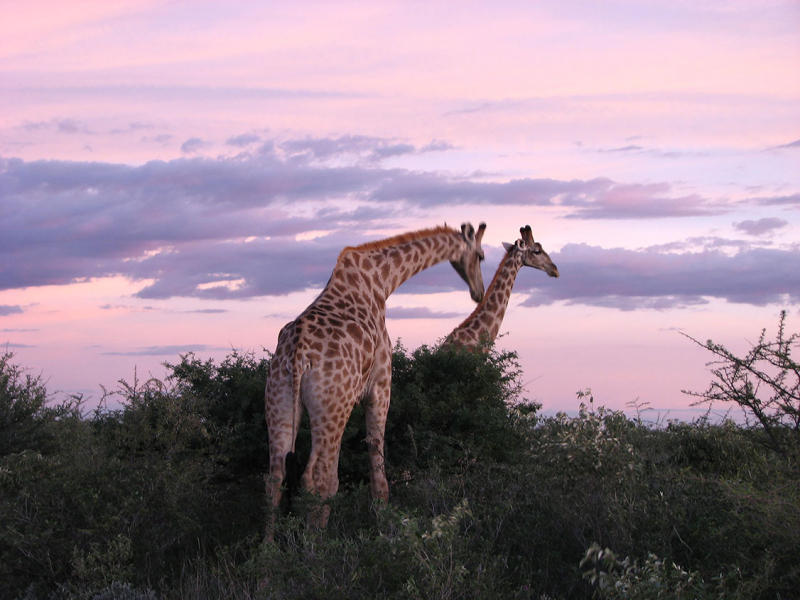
x=180, y=176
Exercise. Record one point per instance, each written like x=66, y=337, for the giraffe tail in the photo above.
x=291, y=479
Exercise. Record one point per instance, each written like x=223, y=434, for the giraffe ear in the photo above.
x=468, y=231
x=507, y=246
x=479, y=235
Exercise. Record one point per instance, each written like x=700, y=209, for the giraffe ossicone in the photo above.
x=483, y=325
x=338, y=352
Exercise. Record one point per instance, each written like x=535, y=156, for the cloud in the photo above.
x=360, y=147
x=132, y=127
x=226, y=227
x=243, y=140
x=125, y=307
x=794, y=144
x=421, y=312
x=9, y=309
x=641, y=201
x=18, y=330
x=626, y=149
x=10, y=345
x=68, y=126
x=632, y=279
x=760, y=227
x=165, y=350
x=192, y=145
x=792, y=199
x=162, y=138
x=650, y=152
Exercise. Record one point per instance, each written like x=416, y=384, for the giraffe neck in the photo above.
x=381, y=267
x=487, y=317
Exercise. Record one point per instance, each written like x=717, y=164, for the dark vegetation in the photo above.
x=489, y=499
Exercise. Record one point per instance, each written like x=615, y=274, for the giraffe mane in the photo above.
x=489, y=290
x=397, y=239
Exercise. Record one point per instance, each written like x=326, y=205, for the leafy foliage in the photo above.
x=26, y=419
x=164, y=497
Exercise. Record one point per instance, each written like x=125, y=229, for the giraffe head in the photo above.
x=468, y=263
x=533, y=255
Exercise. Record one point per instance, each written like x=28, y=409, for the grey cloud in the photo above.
x=433, y=189
x=628, y=279
x=164, y=350
x=182, y=223
x=760, y=227
x=794, y=144
x=371, y=149
x=243, y=140
x=70, y=126
x=422, y=312
x=706, y=243
x=652, y=152
x=631, y=303
x=192, y=145
x=18, y=330
x=436, y=146
x=393, y=150
x=626, y=149
x=718, y=242
x=323, y=148
x=125, y=307
x=63, y=222
x=10, y=345
x=10, y=309
x=791, y=200
x=162, y=138
x=67, y=126
x=227, y=270
x=134, y=126
x=639, y=201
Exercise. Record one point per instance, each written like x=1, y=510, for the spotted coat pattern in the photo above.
x=483, y=325
x=338, y=352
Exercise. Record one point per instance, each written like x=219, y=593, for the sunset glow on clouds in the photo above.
x=180, y=176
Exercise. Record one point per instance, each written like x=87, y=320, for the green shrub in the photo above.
x=27, y=414
x=649, y=580
x=164, y=496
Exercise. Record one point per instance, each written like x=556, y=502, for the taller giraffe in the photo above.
x=483, y=324
x=338, y=352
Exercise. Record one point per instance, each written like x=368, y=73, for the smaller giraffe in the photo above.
x=483, y=325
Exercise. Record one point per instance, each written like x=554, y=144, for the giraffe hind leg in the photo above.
x=376, y=409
